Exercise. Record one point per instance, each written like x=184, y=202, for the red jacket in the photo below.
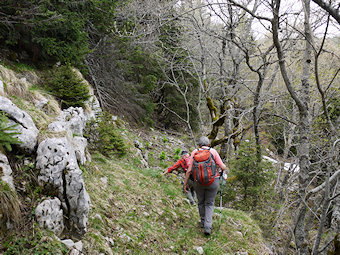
x=183, y=162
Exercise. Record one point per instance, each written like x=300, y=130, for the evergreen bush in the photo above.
x=251, y=180
x=104, y=138
x=7, y=133
x=66, y=86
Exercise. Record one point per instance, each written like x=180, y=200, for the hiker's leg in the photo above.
x=190, y=197
x=210, y=195
x=200, y=192
x=191, y=194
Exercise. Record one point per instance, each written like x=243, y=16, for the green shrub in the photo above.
x=66, y=86
x=7, y=133
x=104, y=138
x=249, y=180
x=162, y=156
x=177, y=154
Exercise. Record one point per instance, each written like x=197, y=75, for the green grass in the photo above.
x=39, y=242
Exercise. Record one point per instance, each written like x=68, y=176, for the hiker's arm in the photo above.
x=187, y=175
x=218, y=160
x=175, y=166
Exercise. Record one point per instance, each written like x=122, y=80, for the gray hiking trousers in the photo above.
x=191, y=192
x=206, y=200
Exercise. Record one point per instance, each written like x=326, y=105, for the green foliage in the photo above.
x=51, y=31
x=249, y=179
x=7, y=133
x=66, y=86
x=177, y=154
x=104, y=137
x=165, y=140
x=162, y=156
x=36, y=243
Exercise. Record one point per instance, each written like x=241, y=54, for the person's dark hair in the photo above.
x=183, y=153
x=203, y=141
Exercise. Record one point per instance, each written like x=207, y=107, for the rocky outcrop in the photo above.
x=72, y=120
x=5, y=170
x=49, y=215
x=25, y=125
x=60, y=173
x=79, y=145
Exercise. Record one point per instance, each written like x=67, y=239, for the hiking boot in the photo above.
x=207, y=231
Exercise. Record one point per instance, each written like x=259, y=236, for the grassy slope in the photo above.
x=152, y=210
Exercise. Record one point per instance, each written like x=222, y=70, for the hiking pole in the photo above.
x=221, y=189
x=222, y=177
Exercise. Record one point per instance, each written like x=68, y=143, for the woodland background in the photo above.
x=259, y=78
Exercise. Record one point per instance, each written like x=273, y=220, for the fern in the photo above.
x=7, y=133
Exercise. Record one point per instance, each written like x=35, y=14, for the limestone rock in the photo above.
x=28, y=131
x=6, y=170
x=79, y=246
x=2, y=88
x=69, y=243
x=138, y=144
x=72, y=120
x=74, y=252
x=139, y=155
x=60, y=173
x=200, y=250
x=109, y=241
x=41, y=103
x=79, y=145
x=50, y=215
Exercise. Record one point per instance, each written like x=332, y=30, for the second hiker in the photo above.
x=183, y=163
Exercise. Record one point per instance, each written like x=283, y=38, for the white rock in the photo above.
x=79, y=145
x=41, y=103
x=6, y=170
x=68, y=242
x=49, y=215
x=97, y=216
x=59, y=169
x=200, y=250
x=72, y=120
x=110, y=241
x=2, y=88
x=74, y=252
x=79, y=246
x=238, y=233
x=25, y=125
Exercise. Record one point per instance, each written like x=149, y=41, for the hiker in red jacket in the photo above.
x=183, y=162
x=206, y=180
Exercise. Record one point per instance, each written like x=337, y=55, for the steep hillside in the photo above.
x=134, y=209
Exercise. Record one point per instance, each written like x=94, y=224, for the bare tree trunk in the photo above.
x=304, y=122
